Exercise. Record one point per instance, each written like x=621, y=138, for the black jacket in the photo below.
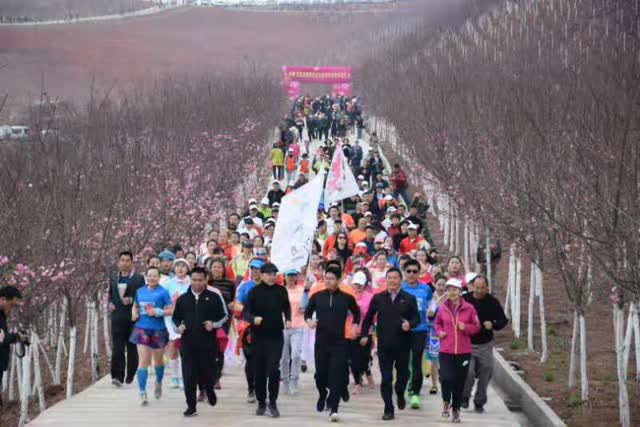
x=210, y=306
x=489, y=309
x=332, y=309
x=9, y=339
x=226, y=288
x=270, y=303
x=121, y=316
x=391, y=314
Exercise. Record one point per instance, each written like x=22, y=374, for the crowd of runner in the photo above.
x=374, y=288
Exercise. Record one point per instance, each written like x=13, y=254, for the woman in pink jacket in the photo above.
x=455, y=323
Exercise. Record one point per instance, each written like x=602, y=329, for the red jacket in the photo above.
x=456, y=341
x=406, y=245
x=399, y=180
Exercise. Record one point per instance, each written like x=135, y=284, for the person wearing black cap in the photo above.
x=267, y=305
x=331, y=307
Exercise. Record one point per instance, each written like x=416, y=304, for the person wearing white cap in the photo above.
x=412, y=242
x=264, y=208
x=292, y=348
x=455, y=324
x=176, y=286
x=359, y=356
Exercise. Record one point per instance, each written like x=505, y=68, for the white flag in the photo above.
x=293, y=235
x=341, y=183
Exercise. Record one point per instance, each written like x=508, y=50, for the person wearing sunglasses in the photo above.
x=418, y=334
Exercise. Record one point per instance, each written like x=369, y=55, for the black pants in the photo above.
x=267, y=355
x=278, y=172
x=120, y=336
x=249, y=368
x=390, y=358
x=359, y=358
x=331, y=371
x=453, y=373
x=418, y=339
x=197, y=370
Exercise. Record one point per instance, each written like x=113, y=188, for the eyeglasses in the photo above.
x=412, y=271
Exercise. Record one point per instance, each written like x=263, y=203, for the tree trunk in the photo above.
x=543, y=320
x=95, y=366
x=517, y=288
x=35, y=342
x=572, y=355
x=73, y=332
x=636, y=339
x=532, y=295
x=12, y=375
x=87, y=328
x=624, y=416
x=105, y=329
x=511, y=276
x=57, y=379
x=584, y=380
x=26, y=388
x=465, y=234
x=627, y=339
x=488, y=258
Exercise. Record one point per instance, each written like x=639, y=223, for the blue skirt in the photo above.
x=150, y=337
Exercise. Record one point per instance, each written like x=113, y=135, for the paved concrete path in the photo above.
x=104, y=405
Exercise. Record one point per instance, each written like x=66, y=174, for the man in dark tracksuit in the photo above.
x=9, y=296
x=123, y=286
x=267, y=304
x=397, y=313
x=197, y=314
x=331, y=307
x=492, y=318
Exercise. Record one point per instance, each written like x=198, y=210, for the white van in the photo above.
x=19, y=132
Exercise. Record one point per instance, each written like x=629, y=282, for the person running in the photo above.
x=244, y=331
x=397, y=313
x=176, y=286
x=455, y=324
x=359, y=356
x=433, y=342
x=198, y=313
x=267, y=305
x=227, y=289
x=152, y=302
x=9, y=298
x=418, y=334
x=492, y=318
x=292, y=349
x=123, y=286
x=331, y=307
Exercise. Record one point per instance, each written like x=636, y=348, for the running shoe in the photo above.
x=272, y=410
x=445, y=410
x=333, y=417
x=262, y=408
x=180, y=384
x=322, y=402
x=434, y=389
x=415, y=402
x=455, y=416
x=143, y=399
x=157, y=392
x=464, y=404
x=303, y=366
x=190, y=412
x=356, y=389
x=402, y=403
x=175, y=383
x=293, y=388
x=478, y=408
x=212, y=398
x=251, y=397
x=116, y=382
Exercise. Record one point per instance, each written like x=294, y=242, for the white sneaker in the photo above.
x=334, y=417
x=175, y=383
x=293, y=387
x=116, y=383
x=157, y=392
x=143, y=399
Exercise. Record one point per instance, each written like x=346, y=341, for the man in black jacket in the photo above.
x=492, y=318
x=197, y=314
x=9, y=296
x=267, y=304
x=397, y=313
x=331, y=307
x=123, y=286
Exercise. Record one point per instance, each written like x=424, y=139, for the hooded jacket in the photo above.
x=456, y=341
